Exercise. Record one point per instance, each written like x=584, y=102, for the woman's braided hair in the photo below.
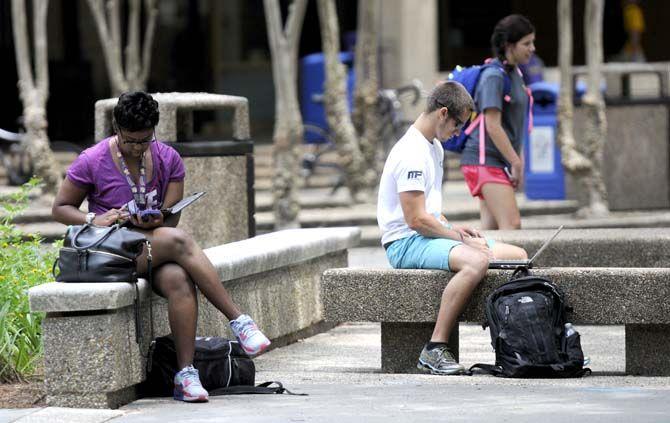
x=136, y=111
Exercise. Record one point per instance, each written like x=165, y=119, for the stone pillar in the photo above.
x=635, y=156
x=647, y=349
x=402, y=343
x=408, y=45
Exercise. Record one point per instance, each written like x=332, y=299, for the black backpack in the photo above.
x=526, y=317
x=224, y=368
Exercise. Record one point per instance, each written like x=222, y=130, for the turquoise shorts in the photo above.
x=419, y=252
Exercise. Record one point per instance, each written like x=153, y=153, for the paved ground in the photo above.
x=340, y=370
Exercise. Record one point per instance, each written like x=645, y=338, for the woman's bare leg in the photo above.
x=173, y=283
x=486, y=217
x=174, y=245
x=501, y=202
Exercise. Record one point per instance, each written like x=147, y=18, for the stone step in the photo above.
x=366, y=214
x=49, y=231
x=314, y=181
x=309, y=198
x=371, y=234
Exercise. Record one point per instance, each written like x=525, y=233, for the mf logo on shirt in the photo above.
x=414, y=174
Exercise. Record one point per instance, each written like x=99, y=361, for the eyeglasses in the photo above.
x=140, y=142
x=458, y=122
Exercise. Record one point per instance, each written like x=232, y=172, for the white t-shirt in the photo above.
x=414, y=164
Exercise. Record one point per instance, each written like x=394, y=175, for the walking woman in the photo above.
x=129, y=171
x=495, y=172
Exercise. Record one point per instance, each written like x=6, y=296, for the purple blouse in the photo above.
x=95, y=171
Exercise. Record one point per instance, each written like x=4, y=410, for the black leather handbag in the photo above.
x=93, y=253
x=99, y=254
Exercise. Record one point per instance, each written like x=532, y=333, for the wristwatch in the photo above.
x=89, y=218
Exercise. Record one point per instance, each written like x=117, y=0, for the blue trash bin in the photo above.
x=312, y=78
x=544, y=175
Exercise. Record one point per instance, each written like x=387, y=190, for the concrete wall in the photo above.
x=636, y=157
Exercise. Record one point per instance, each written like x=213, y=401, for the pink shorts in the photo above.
x=476, y=176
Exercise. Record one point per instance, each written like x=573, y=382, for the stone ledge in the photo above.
x=232, y=261
x=598, y=295
x=631, y=247
x=278, y=249
x=68, y=297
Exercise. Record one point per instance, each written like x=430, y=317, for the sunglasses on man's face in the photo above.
x=457, y=120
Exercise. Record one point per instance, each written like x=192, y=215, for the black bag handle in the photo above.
x=263, y=388
x=488, y=369
x=104, y=236
x=521, y=271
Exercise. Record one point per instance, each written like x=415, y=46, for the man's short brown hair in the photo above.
x=453, y=96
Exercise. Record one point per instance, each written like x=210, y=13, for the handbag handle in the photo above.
x=104, y=236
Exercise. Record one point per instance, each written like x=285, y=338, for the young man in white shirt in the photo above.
x=416, y=235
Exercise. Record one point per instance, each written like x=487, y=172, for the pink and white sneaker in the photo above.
x=187, y=386
x=248, y=335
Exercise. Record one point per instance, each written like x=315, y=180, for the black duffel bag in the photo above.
x=223, y=366
x=221, y=363
x=93, y=253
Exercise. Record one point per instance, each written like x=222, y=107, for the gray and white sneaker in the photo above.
x=439, y=361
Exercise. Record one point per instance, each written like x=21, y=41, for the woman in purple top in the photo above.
x=132, y=171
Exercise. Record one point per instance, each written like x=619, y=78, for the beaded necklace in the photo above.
x=140, y=189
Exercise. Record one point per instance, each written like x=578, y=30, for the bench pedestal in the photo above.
x=402, y=343
x=91, y=359
x=647, y=349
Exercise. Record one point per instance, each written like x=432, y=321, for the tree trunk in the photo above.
x=107, y=17
x=336, y=107
x=594, y=109
x=573, y=161
x=366, y=116
x=288, y=130
x=34, y=90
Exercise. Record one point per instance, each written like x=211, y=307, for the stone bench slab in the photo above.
x=609, y=296
x=406, y=303
x=57, y=297
x=232, y=261
x=277, y=249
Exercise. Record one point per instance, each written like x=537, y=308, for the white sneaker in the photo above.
x=248, y=335
x=187, y=386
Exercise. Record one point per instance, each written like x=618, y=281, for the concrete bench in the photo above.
x=406, y=303
x=611, y=277
x=91, y=357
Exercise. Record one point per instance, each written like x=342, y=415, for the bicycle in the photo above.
x=393, y=127
x=14, y=158
x=394, y=124
x=17, y=161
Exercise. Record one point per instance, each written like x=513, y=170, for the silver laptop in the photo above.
x=513, y=264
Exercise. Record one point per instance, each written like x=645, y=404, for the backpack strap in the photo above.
x=482, y=139
x=263, y=388
x=479, y=121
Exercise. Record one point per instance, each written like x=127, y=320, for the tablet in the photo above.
x=185, y=202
